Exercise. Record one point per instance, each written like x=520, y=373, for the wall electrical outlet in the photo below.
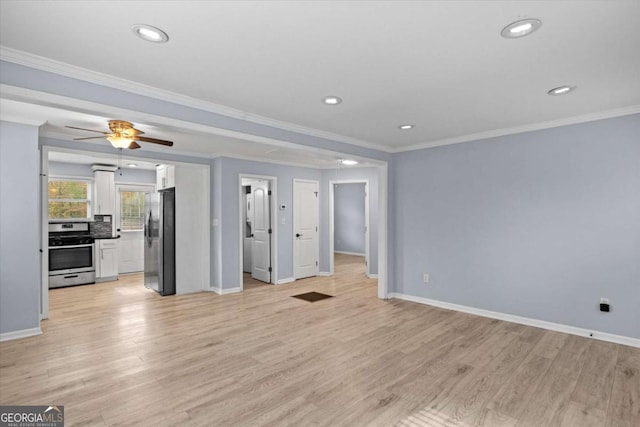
x=425, y=278
x=604, y=300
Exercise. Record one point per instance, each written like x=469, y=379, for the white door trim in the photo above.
x=44, y=232
x=295, y=225
x=383, y=248
x=273, y=185
x=332, y=219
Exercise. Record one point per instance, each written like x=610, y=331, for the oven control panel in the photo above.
x=69, y=240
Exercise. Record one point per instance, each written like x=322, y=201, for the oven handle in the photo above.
x=71, y=246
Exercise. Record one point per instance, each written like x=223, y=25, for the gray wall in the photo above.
x=349, y=218
x=229, y=170
x=350, y=174
x=19, y=227
x=540, y=224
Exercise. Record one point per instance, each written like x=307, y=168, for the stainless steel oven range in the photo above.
x=71, y=248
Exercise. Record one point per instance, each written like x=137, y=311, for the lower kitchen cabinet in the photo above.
x=106, y=260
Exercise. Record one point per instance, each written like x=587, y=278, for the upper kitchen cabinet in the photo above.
x=104, y=191
x=165, y=177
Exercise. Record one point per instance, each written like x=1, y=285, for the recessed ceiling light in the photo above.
x=332, y=100
x=561, y=90
x=520, y=28
x=348, y=162
x=150, y=34
x=406, y=127
x=132, y=165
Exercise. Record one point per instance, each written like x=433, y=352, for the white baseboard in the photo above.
x=220, y=291
x=24, y=333
x=372, y=276
x=603, y=336
x=285, y=281
x=348, y=253
x=324, y=273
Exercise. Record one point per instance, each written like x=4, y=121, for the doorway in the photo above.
x=257, y=231
x=349, y=224
x=130, y=226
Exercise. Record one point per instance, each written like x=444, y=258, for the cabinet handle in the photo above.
x=101, y=253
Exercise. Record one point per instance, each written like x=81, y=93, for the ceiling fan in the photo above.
x=123, y=135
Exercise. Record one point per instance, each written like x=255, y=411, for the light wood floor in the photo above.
x=118, y=354
x=249, y=282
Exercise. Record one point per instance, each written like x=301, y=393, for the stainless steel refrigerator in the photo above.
x=159, y=242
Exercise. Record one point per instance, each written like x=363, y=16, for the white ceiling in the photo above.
x=440, y=65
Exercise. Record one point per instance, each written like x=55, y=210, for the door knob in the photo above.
x=298, y=235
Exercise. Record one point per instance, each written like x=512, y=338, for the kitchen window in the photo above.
x=69, y=198
x=132, y=210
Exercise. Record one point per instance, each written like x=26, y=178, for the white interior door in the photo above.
x=305, y=228
x=260, y=242
x=131, y=252
x=129, y=221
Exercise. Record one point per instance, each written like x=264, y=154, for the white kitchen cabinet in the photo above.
x=104, y=195
x=165, y=176
x=106, y=259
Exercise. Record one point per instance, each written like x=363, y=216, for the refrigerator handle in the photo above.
x=148, y=229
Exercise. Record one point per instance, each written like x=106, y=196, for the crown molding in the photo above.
x=608, y=114
x=52, y=66
x=258, y=159
x=67, y=70
x=21, y=119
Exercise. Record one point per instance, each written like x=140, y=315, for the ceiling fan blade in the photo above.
x=134, y=145
x=155, y=141
x=90, y=130
x=90, y=137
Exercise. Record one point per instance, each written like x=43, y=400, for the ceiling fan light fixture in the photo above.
x=520, y=28
x=119, y=141
x=150, y=34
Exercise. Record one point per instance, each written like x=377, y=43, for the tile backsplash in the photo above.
x=101, y=226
